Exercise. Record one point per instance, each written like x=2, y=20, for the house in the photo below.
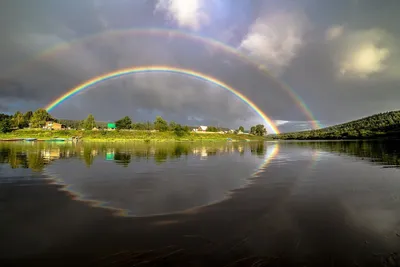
x=202, y=129
x=51, y=125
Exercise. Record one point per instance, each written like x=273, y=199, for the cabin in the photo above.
x=202, y=129
x=51, y=125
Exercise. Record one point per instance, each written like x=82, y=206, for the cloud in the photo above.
x=307, y=52
x=280, y=122
x=362, y=54
x=367, y=60
x=334, y=32
x=275, y=39
x=186, y=13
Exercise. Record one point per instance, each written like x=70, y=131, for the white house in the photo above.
x=202, y=129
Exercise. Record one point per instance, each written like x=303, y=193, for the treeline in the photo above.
x=376, y=126
x=39, y=118
x=21, y=120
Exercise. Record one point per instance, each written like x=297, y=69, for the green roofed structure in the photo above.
x=111, y=126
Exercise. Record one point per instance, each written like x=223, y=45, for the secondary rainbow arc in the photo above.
x=206, y=40
x=146, y=69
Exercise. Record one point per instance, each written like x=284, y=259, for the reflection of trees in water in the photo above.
x=257, y=149
x=211, y=152
x=37, y=155
x=386, y=153
x=20, y=157
x=180, y=150
x=160, y=156
x=36, y=161
x=16, y=159
x=122, y=158
x=88, y=156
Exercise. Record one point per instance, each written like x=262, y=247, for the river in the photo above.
x=191, y=204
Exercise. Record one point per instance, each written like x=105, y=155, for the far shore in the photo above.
x=126, y=136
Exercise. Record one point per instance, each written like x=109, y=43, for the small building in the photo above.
x=111, y=126
x=51, y=125
x=202, y=129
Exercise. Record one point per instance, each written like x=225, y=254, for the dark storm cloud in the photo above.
x=341, y=57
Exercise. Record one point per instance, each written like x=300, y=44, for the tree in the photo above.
x=4, y=116
x=260, y=130
x=212, y=129
x=179, y=130
x=149, y=126
x=172, y=125
x=27, y=118
x=18, y=120
x=160, y=124
x=241, y=129
x=89, y=123
x=39, y=118
x=124, y=123
x=5, y=125
x=28, y=115
x=253, y=130
x=139, y=126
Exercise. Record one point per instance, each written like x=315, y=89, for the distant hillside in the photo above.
x=382, y=125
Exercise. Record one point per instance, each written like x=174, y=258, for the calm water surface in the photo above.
x=219, y=204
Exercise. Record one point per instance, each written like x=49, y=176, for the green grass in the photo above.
x=126, y=135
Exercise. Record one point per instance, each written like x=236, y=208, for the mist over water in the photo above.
x=289, y=203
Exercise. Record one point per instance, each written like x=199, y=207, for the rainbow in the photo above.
x=167, y=69
x=190, y=36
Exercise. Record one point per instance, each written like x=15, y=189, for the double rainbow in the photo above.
x=170, y=33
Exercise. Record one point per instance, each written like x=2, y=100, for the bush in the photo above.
x=179, y=130
x=5, y=126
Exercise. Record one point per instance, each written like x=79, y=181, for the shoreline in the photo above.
x=124, y=136
x=132, y=140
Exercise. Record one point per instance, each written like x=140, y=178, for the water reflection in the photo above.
x=310, y=204
x=145, y=179
x=385, y=153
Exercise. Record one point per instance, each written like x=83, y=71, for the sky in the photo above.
x=341, y=57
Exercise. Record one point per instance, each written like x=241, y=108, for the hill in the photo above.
x=382, y=125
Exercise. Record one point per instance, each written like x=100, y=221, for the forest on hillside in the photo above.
x=382, y=125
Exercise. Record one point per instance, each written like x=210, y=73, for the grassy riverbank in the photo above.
x=134, y=135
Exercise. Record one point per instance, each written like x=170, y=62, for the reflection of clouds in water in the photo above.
x=144, y=188
x=368, y=194
x=372, y=198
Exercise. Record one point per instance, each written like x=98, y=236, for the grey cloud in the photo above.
x=310, y=69
x=275, y=38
